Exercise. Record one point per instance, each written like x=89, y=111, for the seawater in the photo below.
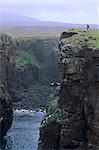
x=24, y=133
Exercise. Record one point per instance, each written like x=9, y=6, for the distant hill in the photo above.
x=15, y=19
x=19, y=25
x=21, y=20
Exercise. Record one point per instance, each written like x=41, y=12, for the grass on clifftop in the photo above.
x=95, y=40
x=89, y=37
x=23, y=58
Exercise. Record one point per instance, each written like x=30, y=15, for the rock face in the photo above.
x=6, y=82
x=73, y=122
x=36, y=61
x=27, y=76
x=36, y=67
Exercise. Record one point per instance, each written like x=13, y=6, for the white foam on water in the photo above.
x=23, y=112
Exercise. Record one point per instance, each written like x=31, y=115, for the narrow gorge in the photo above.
x=36, y=68
x=51, y=84
x=28, y=67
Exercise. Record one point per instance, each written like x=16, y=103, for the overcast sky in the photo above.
x=69, y=11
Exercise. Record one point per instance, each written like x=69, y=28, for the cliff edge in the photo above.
x=72, y=119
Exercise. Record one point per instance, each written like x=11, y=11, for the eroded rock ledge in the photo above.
x=6, y=82
x=72, y=120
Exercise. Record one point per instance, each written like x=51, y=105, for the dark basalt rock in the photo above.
x=77, y=108
x=49, y=136
x=67, y=34
x=5, y=111
x=6, y=82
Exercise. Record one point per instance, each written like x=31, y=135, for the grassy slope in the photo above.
x=95, y=35
x=25, y=57
x=91, y=37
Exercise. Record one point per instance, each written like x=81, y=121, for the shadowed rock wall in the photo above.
x=6, y=82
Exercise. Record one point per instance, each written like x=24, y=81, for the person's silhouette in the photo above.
x=87, y=26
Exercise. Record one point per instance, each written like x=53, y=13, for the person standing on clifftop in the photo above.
x=87, y=26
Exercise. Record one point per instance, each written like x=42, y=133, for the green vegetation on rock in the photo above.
x=25, y=57
x=90, y=37
x=37, y=56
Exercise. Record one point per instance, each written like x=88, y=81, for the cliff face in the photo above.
x=36, y=58
x=6, y=82
x=36, y=67
x=73, y=122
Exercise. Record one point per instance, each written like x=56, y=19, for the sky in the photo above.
x=68, y=11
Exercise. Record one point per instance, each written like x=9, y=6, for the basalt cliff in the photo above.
x=6, y=82
x=72, y=119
